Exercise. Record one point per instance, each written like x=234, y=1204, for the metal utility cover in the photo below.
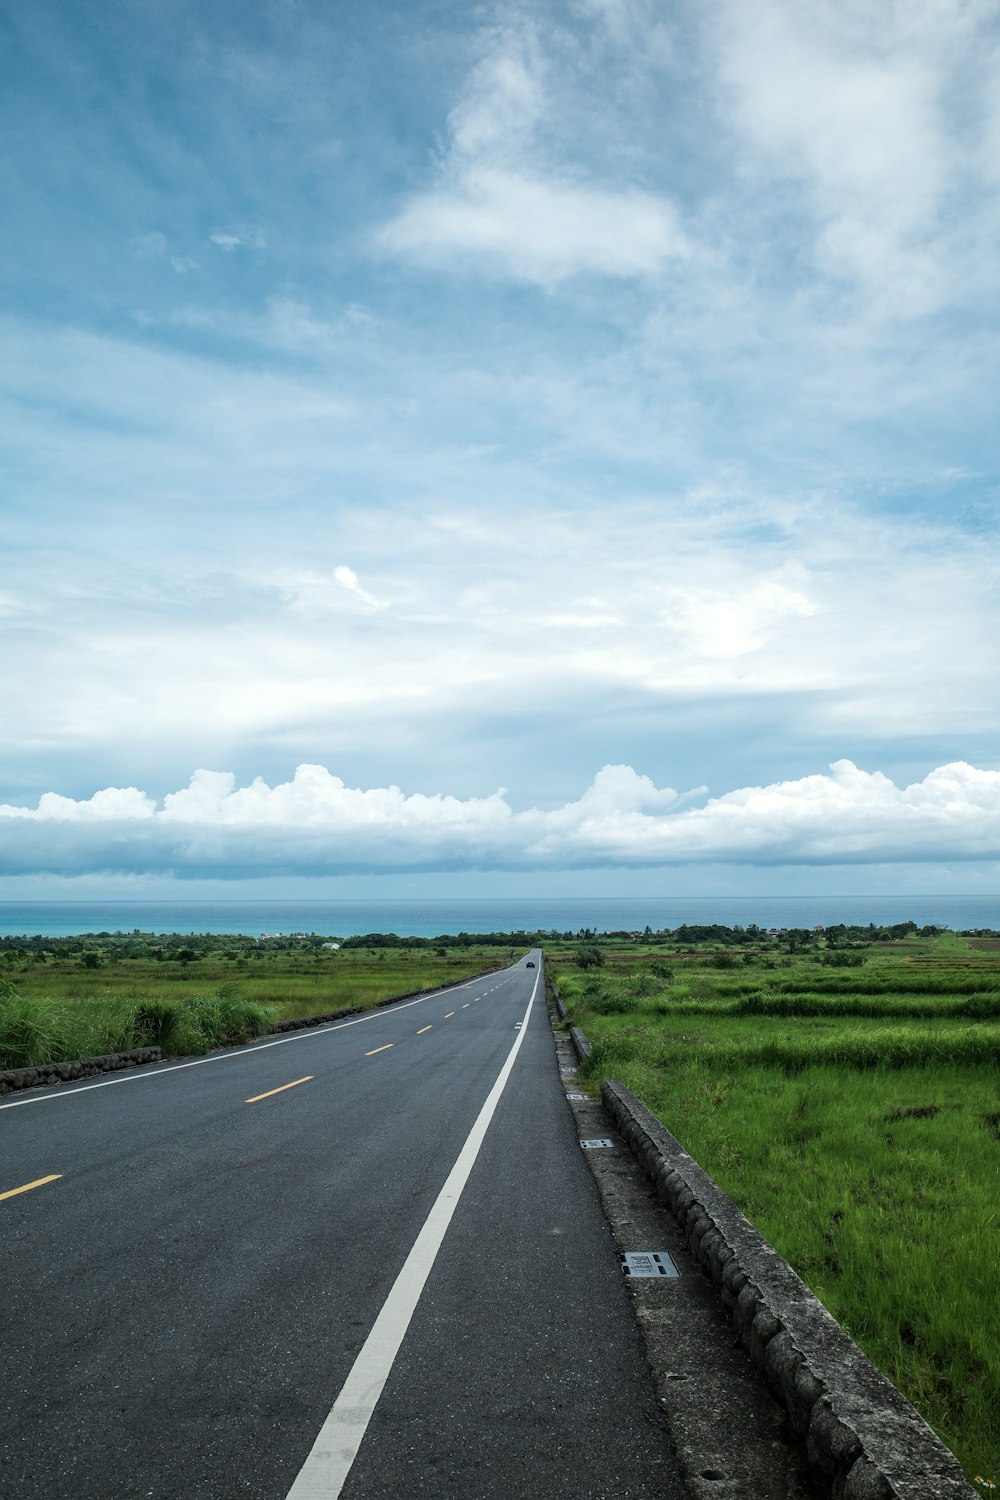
x=648, y=1263
x=595, y=1145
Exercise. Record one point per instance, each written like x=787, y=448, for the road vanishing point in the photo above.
x=366, y=1260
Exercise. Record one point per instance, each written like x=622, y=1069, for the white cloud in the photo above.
x=503, y=579
x=503, y=100
x=113, y=804
x=539, y=230
x=508, y=205
x=858, y=105
x=636, y=26
x=247, y=237
x=348, y=579
x=726, y=624
x=723, y=508
x=645, y=510
x=316, y=824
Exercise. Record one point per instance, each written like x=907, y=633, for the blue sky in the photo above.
x=462, y=398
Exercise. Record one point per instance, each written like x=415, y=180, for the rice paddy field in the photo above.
x=849, y=1101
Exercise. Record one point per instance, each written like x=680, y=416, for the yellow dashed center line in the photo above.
x=423, y=1029
x=450, y=1013
x=281, y=1090
x=38, y=1182
x=380, y=1049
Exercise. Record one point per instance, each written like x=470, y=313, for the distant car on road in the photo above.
x=530, y=964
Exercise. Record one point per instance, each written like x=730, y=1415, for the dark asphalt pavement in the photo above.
x=180, y=1309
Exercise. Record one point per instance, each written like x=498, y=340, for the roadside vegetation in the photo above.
x=844, y=1089
x=843, y=1086
x=63, y=998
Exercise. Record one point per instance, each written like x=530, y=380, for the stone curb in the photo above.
x=301, y=1022
x=554, y=997
x=861, y=1434
x=578, y=1037
x=12, y=1079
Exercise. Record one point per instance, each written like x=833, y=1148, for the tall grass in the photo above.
x=860, y=1131
x=981, y=1005
x=984, y=979
x=62, y=1010
x=302, y=984
x=856, y=1049
x=35, y=1031
x=881, y=1190
x=29, y=1033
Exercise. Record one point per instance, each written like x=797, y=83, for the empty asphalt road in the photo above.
x=365, y=1260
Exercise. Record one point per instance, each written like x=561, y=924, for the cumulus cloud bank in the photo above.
x=315, y=824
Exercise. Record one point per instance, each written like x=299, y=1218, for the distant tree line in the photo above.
x=97, y=948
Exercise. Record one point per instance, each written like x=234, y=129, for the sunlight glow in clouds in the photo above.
x=315, y=824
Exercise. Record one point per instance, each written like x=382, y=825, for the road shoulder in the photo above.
x=731, y=1437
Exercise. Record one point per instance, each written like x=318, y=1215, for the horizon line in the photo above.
x=472, y=900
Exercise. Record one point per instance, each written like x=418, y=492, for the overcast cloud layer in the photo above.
x=472, y=397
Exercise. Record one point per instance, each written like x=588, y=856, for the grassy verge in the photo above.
x=58, y=1010
x=865, y=1146
x=35, y=1030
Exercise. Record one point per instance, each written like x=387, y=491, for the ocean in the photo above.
x=532, y=914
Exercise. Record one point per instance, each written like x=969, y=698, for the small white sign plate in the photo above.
x=648, y=1263
x=599, y=1144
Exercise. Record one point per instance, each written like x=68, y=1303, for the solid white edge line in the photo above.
x=332, y=1455
x=298, y=1036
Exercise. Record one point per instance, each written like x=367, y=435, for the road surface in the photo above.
x=365, y=1259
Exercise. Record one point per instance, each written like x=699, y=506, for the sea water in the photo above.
x=429, y=918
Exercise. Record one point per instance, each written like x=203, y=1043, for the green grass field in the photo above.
x=854, y=1116
x=61, y=1007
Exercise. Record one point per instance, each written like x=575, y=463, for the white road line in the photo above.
x=325, y=1471
x=298, y=1036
